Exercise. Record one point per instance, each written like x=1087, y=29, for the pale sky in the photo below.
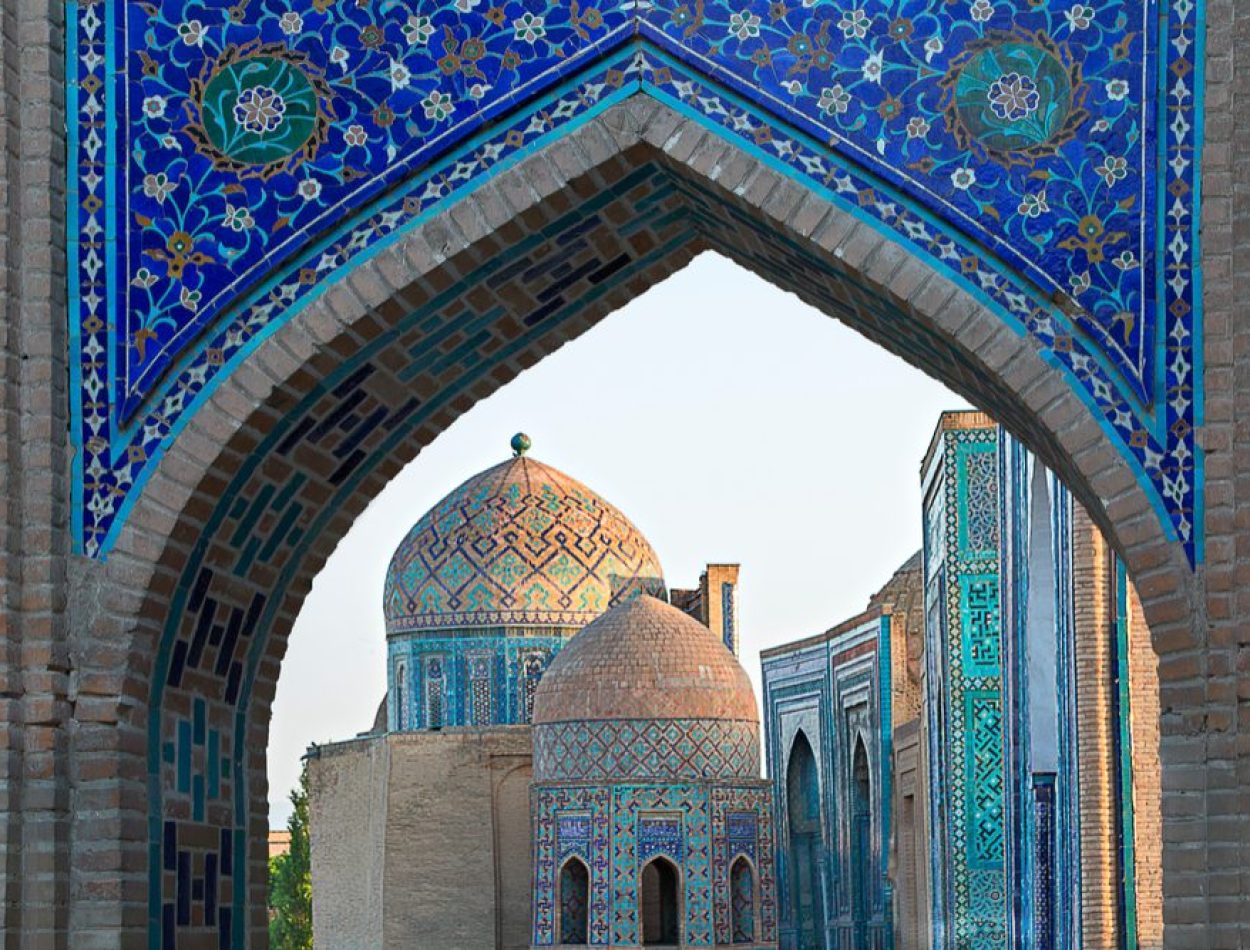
x=728, y=420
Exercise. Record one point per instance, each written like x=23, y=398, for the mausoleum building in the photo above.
x=651, y=823
x=430, y=810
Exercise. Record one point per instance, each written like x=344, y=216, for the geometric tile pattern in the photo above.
x=980, y=618
x=742, y=825
x=486, y=675
x=646, y=750
x=963, y=642
x=520, y=543
x=984, y=749
x=616, y=829
x=223, y=168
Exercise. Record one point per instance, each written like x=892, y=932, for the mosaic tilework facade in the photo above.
x=1069, y=743
x=615, y=829
x=1042, y=819
x=837, y=691
x=481, y=677
x=964, y=683
x=229, y=159
x=518, y=544
x=647, y=749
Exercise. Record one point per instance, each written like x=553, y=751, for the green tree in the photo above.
x=290, y=881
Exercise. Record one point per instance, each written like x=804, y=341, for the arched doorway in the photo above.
x=209, y=570
x=862, y=865
x=659, y=903
x=803, y=812
x=742, y=901
x=573, y=893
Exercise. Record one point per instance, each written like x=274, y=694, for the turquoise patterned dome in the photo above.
x=520, y=544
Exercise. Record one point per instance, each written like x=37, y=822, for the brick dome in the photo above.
x=645, y=659
x=520, y=544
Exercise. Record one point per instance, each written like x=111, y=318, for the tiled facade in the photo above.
x=1028, y=757
x=951, y=109
x=1081, y=784
x=646, y=762
x=960, y=485
x=833, y=694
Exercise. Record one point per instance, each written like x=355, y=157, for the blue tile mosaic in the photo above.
x=615, y=829
x=229, y=159
x=965, y=703
x=821, y=700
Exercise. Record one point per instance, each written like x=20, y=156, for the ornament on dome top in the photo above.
x=521, y=444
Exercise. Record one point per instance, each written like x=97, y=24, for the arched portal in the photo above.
x=209, y=569
x=742, y=901
x=862, y=865
x=573, y=894
x=659, y=903
x=803, y=813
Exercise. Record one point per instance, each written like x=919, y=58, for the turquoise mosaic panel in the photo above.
x=979, y=617
x=616, y=829
x=485, y=677
x=230, y=158
x=963, y=639
x=642, y=749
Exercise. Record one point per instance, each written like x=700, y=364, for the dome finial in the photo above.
x=521, y=444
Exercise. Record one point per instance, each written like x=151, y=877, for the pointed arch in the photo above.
x=660, y=903
x=862, y=864
x=258, y=486
x=743, y=900
x=573, y=901
x=805, y=828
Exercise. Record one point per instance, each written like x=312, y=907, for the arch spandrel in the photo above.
x=632, y=196
x=1044, y=156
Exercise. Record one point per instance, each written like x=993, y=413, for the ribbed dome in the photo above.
x=645, y=660
x=519, y=544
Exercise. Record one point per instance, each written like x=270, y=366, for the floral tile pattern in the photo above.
x=231, y=156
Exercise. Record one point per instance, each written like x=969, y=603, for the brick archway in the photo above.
x=89, y=643
x=208, y=573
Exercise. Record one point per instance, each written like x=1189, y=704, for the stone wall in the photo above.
x=347, y=799
x=422, y=833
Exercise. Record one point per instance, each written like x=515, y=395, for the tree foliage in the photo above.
x=290, y=881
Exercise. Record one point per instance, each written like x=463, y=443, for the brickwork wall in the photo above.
x=1092, y=595
x=1143, y=669
x=904, y=595
x=1205, y=678
x=36, y=683
x=347, y=796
